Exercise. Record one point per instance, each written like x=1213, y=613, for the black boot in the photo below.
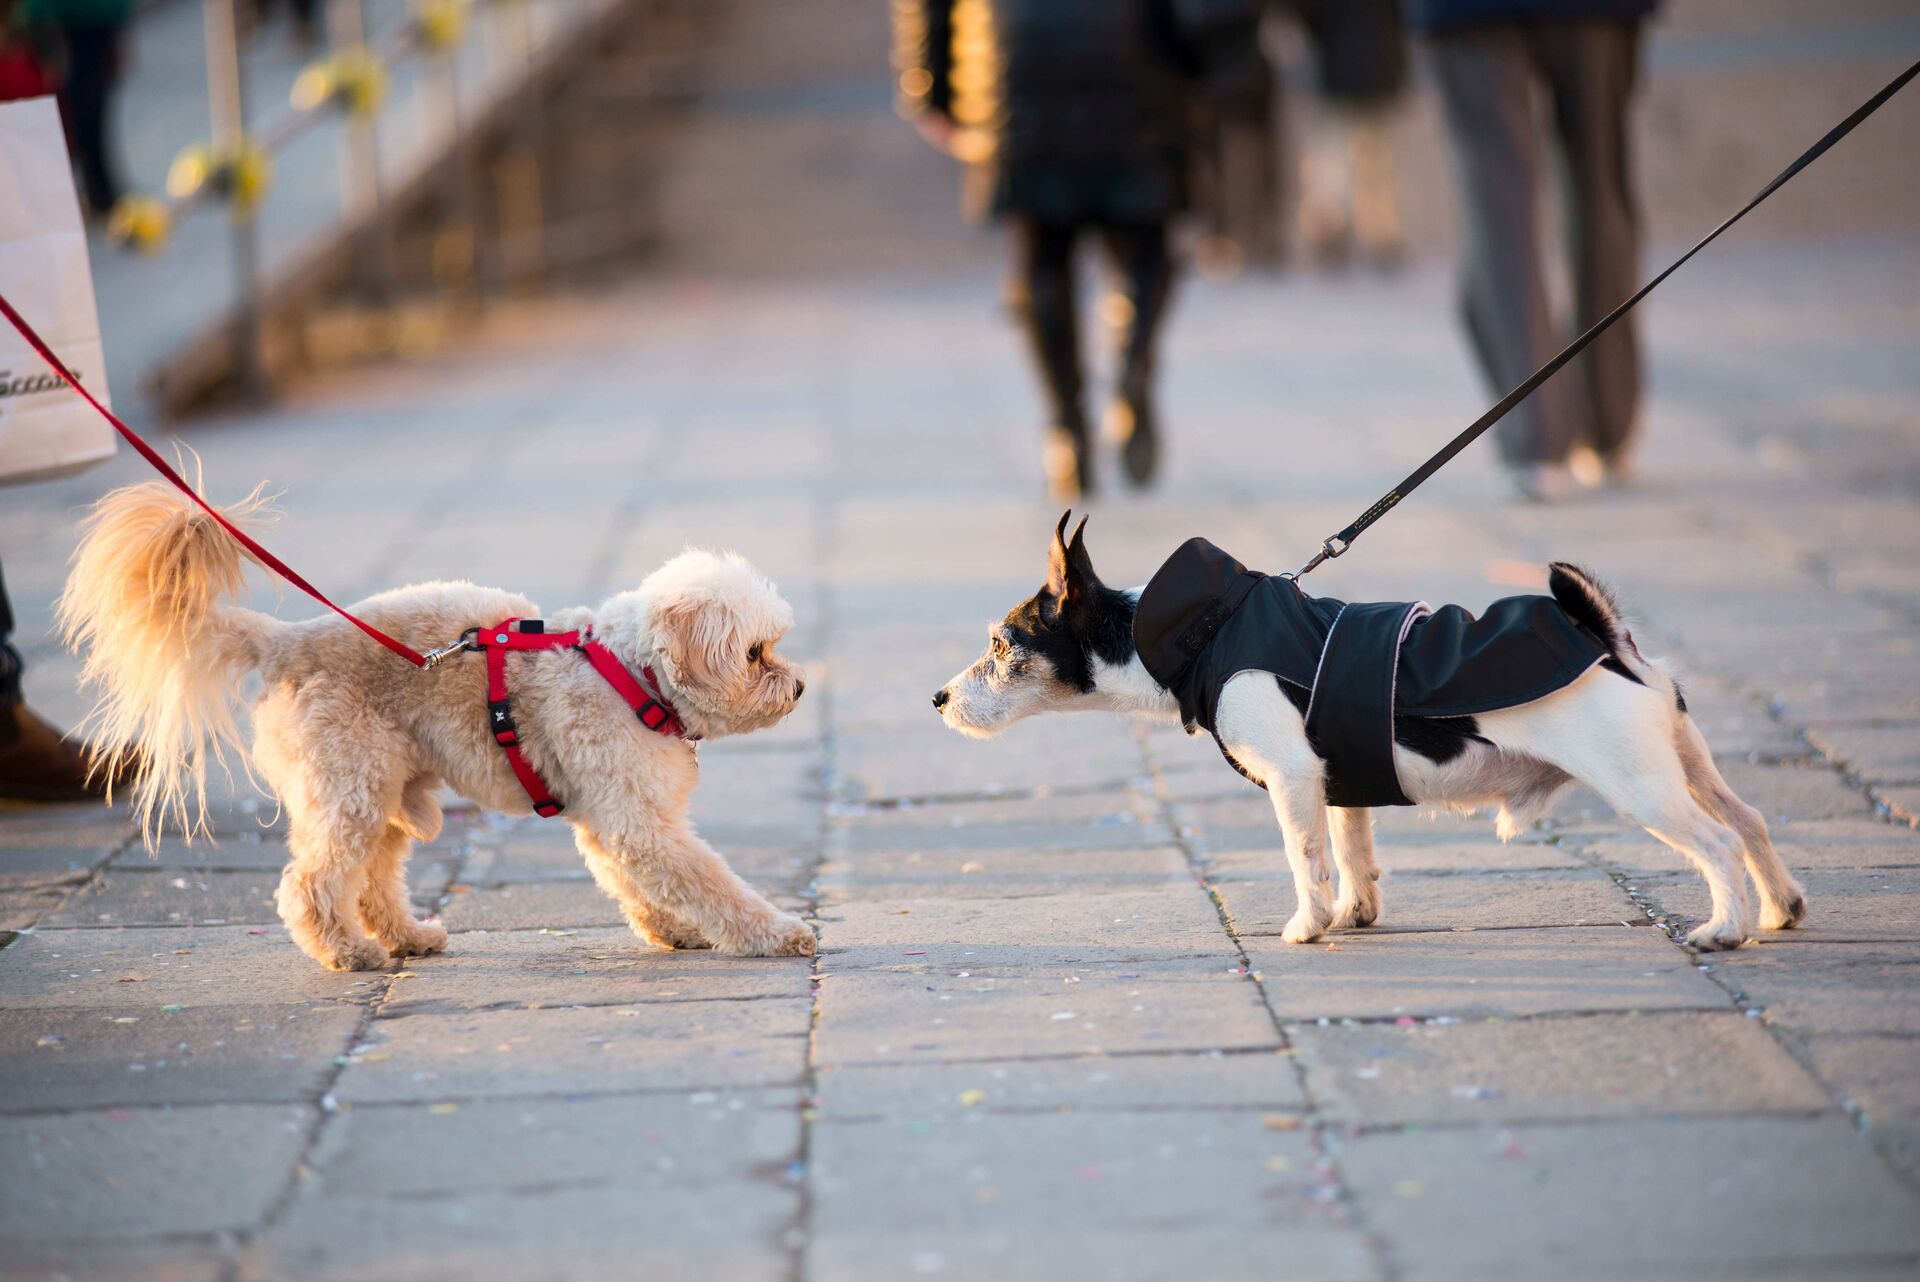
x=1044, y=300
x=1145, y=265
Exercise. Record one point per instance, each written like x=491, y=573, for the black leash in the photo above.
x=1339, y=543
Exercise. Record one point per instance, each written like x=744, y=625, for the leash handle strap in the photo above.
x=166, y=469
x=1339, y=543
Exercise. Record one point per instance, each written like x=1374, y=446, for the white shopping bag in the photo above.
x=45, y=428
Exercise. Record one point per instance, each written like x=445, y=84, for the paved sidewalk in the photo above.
x=1052, y=1032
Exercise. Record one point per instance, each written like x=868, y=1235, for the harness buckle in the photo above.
x=547, y=809
x=434, y=658
x=500, y=720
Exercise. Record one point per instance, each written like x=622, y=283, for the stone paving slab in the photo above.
x=1114, y=925
x=1830, y=988
x=931, y=761
x=665, y=1046
x=261, y=851
x=193, y=965
x=114, y=1262
x=874, y=824
x=533, y=969
x=642, y=1143
x=159, y=897
x=151, y=1165
x=1115, y=828
x=562, y=1234
x=1732, y=1197
x=1074, y=1196
x=1468, y=901
x=1038, y=1008
x=1505, y=973
x=1097, y=1083
x=974, y=872
x=130, y=1056
x=1537, y=1070
x=520, y=906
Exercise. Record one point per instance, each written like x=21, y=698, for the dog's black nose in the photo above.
x=940, y=698
x=799, y=688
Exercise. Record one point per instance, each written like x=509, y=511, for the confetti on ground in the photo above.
x=1278, y=1164
x=1409, y=1188
x=1280, y=1122
x=173, y=1006
x=914, y=952
x=443, y=1109
x=971, y=1098
x=131, y=978
x=52, y=1041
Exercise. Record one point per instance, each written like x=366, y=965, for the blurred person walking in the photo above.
x=1492, y=61
x=1349, y=198
x=1072, y=116
x=91, y=40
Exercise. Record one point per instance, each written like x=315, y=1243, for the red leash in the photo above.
x=166, y=469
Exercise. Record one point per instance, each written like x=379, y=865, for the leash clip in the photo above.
x=434, y=658
x=1330, y=548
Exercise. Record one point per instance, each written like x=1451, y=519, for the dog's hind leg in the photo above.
x=1359, y=901
x=1266, y=736
x=321, y=888
x=1782, y=902
x=649, y=921
x=384, y=907
x=1655, y=794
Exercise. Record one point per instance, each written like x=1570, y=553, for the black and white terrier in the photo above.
x=1609, y=717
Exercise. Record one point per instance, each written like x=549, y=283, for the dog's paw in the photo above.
x=793, y=938
x=1785, y=916
x=355, y=954
x=423, y=938
x=1716, y=936
x=1303, y=928
x=1355, y=914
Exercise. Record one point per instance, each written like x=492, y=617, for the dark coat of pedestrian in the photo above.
x=1071, y=115
x=1494, y=61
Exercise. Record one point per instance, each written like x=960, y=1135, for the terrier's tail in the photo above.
x=144, y=603
x=1594, y=608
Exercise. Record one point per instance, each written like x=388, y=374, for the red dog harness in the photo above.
x=640, y=693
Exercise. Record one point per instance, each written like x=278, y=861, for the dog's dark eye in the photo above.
x=753, y=652
x=999, y=647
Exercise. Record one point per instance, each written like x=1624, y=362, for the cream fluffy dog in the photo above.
x=354, y=743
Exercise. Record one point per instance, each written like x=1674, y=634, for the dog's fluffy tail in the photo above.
x=1593, y=606
x=143, y=603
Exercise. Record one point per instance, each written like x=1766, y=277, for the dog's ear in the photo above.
x=1070, y=576
x=700, y=640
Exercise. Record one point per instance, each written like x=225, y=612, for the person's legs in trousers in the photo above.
x=1590, y=70
x=1486, y=83
x=1144, y=266
x=91, y=51
x=36, y=763
x=1044, y=297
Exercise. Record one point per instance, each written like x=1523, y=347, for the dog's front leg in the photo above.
x=1359, y=901
x=1265, y=734
x=1300, y=803
x=670, y=874
x=649, y=921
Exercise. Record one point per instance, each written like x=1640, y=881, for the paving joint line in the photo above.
x=1313, y=1117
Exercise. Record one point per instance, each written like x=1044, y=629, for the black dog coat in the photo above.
x=1205, y=618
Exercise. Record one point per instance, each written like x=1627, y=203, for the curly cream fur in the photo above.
x=354, y=742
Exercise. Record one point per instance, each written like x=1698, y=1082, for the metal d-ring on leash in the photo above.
x=1337, y=544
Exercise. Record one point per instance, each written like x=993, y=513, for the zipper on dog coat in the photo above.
x=641, y=693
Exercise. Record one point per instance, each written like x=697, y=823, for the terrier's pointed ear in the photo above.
x=1070, y=575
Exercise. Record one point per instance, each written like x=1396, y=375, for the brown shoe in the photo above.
x=38, y=763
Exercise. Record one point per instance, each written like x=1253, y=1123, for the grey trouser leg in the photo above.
x=1489, y=78
x=1590, y=70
